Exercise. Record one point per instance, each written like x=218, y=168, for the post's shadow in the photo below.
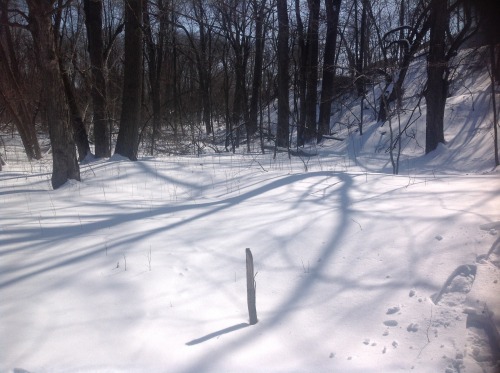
x=217, y=333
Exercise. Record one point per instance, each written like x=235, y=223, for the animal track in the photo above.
x=390, y=323
x=393, y=310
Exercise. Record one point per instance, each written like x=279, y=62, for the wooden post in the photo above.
x=252, y=310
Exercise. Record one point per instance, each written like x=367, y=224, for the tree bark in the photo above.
x=155, y=64
x=302, y=75
x=13, y=98
x=55, y=107
x=312, y=69
x=258, y=61
x=79, y=130
x=251, y=294
x=11, y=91
x=327, y=87
x=282, y=135
x=437, y=84
x=204, y=66
x=93, y=22
x=240, y=113
x=360, y=78
x=127, y=143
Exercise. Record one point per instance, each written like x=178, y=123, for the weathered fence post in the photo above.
x=252, y=310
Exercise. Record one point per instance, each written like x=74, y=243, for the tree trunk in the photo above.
x=13, y=99
x=302, y=76
x=93, y=22
x=436, y=76
x=282, y=136
x=360, y=78
x=240, y=104
x=11, y=91
x=55, y=108
x=127, y=143
x=204, y=66
x=225, y=89
x=257, y=70
x=327, y=88
x=155, y=62
x=312, y=69
x=79, y=130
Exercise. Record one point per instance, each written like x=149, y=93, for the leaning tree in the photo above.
x=53, y=101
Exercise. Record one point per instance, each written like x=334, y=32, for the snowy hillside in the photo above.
x=141, y=266
x=468, y=124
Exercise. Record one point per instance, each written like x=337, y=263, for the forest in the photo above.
x=175, y=77
x=206, y=186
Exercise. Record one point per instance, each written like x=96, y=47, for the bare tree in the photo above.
x=79, y=130
x=236, y=26
x=302, y=74
x=65, y=164
x=443, y=45
x=155, y=42
x=12, y=93
x=360, y=45
x=327, y=86
x=437, y=84
x=93, y=22
x=127, y=143
x=489, y=15
x=204, y=62
x=282, y=136
x=312, y=69
x=258, y=12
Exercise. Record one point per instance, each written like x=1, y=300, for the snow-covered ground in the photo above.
x=141, y=266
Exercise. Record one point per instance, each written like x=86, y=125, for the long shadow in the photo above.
x=342, y=188
x=218, y=333
x=206, y=209
x=285, y=309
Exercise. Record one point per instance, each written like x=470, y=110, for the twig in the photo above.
x=427, y=332
x=360, y=227
x=304, y=267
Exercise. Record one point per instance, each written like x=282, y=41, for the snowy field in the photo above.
x=141, y=266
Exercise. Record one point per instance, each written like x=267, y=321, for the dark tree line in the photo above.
x=174, y=74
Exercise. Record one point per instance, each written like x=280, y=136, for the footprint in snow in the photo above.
x=390, y=323
x=413, y=327
x=393, y=310
x=367, y=342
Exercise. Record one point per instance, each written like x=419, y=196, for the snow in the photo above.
x=140, y=267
